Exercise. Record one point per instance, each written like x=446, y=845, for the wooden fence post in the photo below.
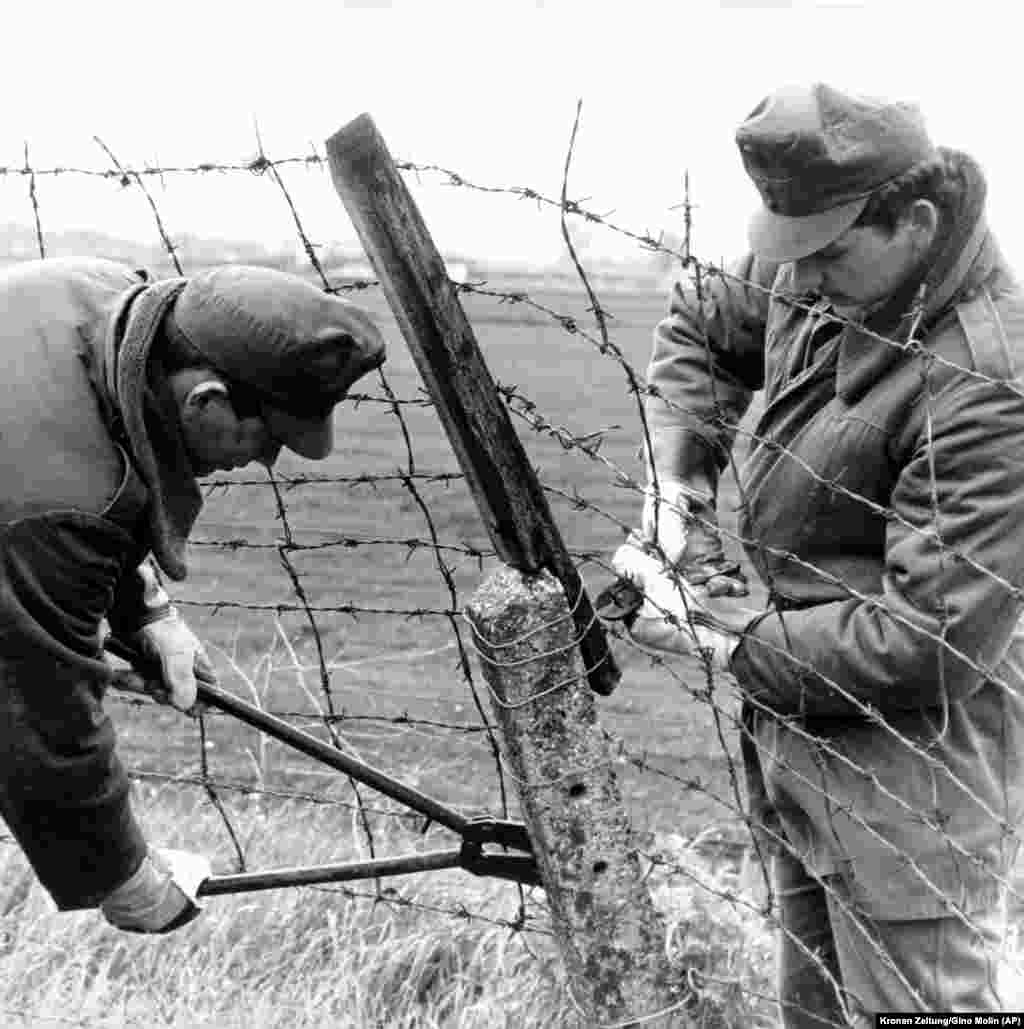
x=444, y=347
x=611, y=936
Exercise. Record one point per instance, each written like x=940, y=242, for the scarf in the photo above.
x=144, y=418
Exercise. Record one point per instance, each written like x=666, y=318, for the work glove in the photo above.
x=684, y=524
x=168, y=643
x=161, y=895
x=676, y=617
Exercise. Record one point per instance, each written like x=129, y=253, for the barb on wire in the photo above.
x=35, y=204
x=127, y=177
x=308, y=246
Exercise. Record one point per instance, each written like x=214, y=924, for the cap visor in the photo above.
x=308, y=437
x=778, y=237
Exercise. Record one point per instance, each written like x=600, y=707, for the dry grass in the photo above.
x=430, y=951
x=293, y=957
x=312, y=958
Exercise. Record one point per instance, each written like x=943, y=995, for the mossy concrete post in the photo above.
x=610, y=934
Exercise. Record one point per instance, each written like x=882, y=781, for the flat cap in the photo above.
x=816, y=155
x=296, y=347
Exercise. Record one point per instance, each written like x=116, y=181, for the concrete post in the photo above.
x=611, y=936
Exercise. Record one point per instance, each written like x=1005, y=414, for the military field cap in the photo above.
x=815, y=155
x=294, y=347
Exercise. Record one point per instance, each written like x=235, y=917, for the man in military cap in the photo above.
x=116, y=393
x=882, y=503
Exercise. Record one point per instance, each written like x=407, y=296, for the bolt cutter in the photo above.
x=476, y=833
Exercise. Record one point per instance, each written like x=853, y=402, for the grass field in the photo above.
x=331, y=958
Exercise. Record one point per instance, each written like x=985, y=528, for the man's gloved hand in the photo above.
x=684, y=524
x=161, y=895
x=171, y=643
x=664, y=517
x=676, y=617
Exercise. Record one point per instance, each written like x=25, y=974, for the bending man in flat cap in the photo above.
x=116, y=394
x=882, y=504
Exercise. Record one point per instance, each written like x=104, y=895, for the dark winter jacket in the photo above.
x=883, y=505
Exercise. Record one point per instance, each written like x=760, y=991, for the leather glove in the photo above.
x=684, y=524
x=171, y=643
x=161, y=895
x=676, y=617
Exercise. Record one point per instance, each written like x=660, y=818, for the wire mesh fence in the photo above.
x=333, y=596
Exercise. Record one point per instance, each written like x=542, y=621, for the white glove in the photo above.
x=161, y=895
x=676, y=618
x=682, y=521
x=169, y=641
x=664, y=518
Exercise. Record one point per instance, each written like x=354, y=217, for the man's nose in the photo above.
x=807, y=276
x=372, y=351
x=362, y=355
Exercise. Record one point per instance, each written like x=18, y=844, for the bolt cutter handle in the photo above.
x=475, y=832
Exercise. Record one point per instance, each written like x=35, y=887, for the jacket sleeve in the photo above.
x=950, y=596
x=138, y=600
x=708, y=358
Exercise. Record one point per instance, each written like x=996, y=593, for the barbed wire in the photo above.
x=442, y=538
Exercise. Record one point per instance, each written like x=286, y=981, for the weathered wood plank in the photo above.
x=444, y=347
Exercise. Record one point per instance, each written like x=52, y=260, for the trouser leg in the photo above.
x=938, y=964
x=808, y=971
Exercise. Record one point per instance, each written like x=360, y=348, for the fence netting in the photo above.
x=332, y=594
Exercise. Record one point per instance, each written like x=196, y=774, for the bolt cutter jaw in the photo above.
x=493, y=830
x=520, y=868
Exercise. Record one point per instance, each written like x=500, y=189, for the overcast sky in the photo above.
x=486, y=88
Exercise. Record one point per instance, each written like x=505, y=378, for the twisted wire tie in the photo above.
x=520, y=662
x=494, y=645
x=547, y=691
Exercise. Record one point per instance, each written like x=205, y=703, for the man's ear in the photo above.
x=200, y=395
x=922, y=219
x=194, y=388
x=204, y=406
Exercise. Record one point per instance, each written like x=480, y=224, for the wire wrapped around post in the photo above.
x=611, y=936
